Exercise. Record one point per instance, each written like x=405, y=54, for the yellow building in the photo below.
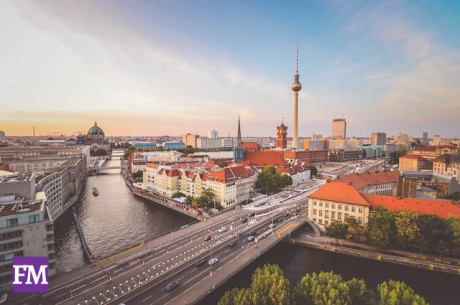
x=167, y=182
x=412, y=162
x=336, y=201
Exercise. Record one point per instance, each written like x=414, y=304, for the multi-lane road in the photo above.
x=144, y=278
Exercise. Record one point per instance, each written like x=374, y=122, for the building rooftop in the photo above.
x=72, y=161
x=265, y=157
x=441, y=208
x=339, y=192
x=230, y=174
x=360, y=181
x=412, y=156
x=15, y=177
x=19, y=206
x=448, y=158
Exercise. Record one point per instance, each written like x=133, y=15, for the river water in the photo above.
x=112, y=221
x=117, y=219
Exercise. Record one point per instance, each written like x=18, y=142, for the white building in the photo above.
x=213, y=134
x=209, y=143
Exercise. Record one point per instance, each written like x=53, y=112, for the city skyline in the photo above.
x=138, y=68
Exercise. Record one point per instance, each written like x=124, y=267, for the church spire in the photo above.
x=238, y=141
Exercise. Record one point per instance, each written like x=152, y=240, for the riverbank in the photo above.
x=369, y=252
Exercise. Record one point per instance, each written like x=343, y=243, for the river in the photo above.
x=116, y=219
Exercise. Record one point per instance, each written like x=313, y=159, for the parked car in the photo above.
x=207, y=237
x=213, y=261
x=272, y=225
x=244, y=220
x=252, y=215
x=200, y=262
x=222, y=230
x=238, y=234
x=173, y=285
x=251, y=238
x=252, y=233
x=232, y=244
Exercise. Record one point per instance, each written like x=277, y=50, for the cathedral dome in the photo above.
x=95, y=131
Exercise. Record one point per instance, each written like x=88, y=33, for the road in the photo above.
x=149, y=273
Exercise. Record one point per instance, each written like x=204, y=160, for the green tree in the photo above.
x=189, y=199
x=271, y=181
x=235, y=296
x=138, y=175
x=454, y=228
x=337, y=230
x=381, y=228
x=407, y=229
x=433, y=229
x=329, y=288
x=395, y=155
x=269, y=286
x=178, y=195
x=355, y=232
x=314, y=171
x=398, y=293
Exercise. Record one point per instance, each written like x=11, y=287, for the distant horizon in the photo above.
x=176, y=67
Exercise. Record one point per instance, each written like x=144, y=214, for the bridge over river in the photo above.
x=141, y=277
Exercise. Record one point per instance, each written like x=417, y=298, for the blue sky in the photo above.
x=171, y=67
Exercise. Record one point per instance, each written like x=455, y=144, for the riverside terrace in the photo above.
x=134, y=279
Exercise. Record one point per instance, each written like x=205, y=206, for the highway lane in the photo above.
x=134, y=271
x=188, y=275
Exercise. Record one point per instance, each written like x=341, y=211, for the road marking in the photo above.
x=59, y=296
x=97, y=279
x=147, y=298
x=78, y=287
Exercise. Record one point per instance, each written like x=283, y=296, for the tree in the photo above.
x=395, y=155
x=355, y=232
x=454, y=228
x=337, y=230
x=381, y=228
x=271, y=181
x=314, y=171
x=189, y=199
x=269, y=286
x=407, y=229
x=433, y=230
x=178, y=195
x=329, y=288
x=138, y=175
x=398, y=293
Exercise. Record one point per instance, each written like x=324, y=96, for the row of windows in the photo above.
x=326, y=221
x=339, y=206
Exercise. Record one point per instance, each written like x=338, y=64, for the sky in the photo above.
x=173, y=67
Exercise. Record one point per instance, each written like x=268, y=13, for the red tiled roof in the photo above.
x=412, y=156
x=425, y=148
x=441, y=208
x=339, y=192
x=169, y=172
x=265, y=157
x=251, y=145
x=359, y=181
x=230, y=174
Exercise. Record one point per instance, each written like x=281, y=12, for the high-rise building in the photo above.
x=213, y=134
x=436, y=140
x=238, y=151
x=316, y=136
x=296, y=87
x=2, y=135
x=339, y=128
x=378, y=138
x=402, y=138
x=190, y=140
x=281, y=141
x=425, y=138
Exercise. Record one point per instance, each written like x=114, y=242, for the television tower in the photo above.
x=296, y=87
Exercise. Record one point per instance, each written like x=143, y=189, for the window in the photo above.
x=360, y=210
x=326, y=222
x=339, y=216
x=333, y=205
x=320, y=213
x=339, y=207
x=326, y=214
x=332, y=214
x=346, y=208
x=321, y=204
x=314, y=212
x=327, y=204
x=353, y=209
x=12, y=222
x=33, y=218
x=320, y=221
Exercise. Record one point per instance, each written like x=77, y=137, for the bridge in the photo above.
x=141, y=278
x=88, y=254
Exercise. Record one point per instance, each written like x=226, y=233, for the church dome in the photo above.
x=95, y=131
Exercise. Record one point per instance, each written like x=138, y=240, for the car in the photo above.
x=238, y=234
x=222, y=230
x=213, y=261
x=244, y=220
x=232, y=244
x=207, y=237
x=252, y=233
x=272, y=225
x=171, y=286
x=251, y=238
x=252, y=215
x=200, y=262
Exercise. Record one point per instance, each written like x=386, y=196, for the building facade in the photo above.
x=281, y=141
x=378, y=138
x=448, y=164
x=339, y=129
